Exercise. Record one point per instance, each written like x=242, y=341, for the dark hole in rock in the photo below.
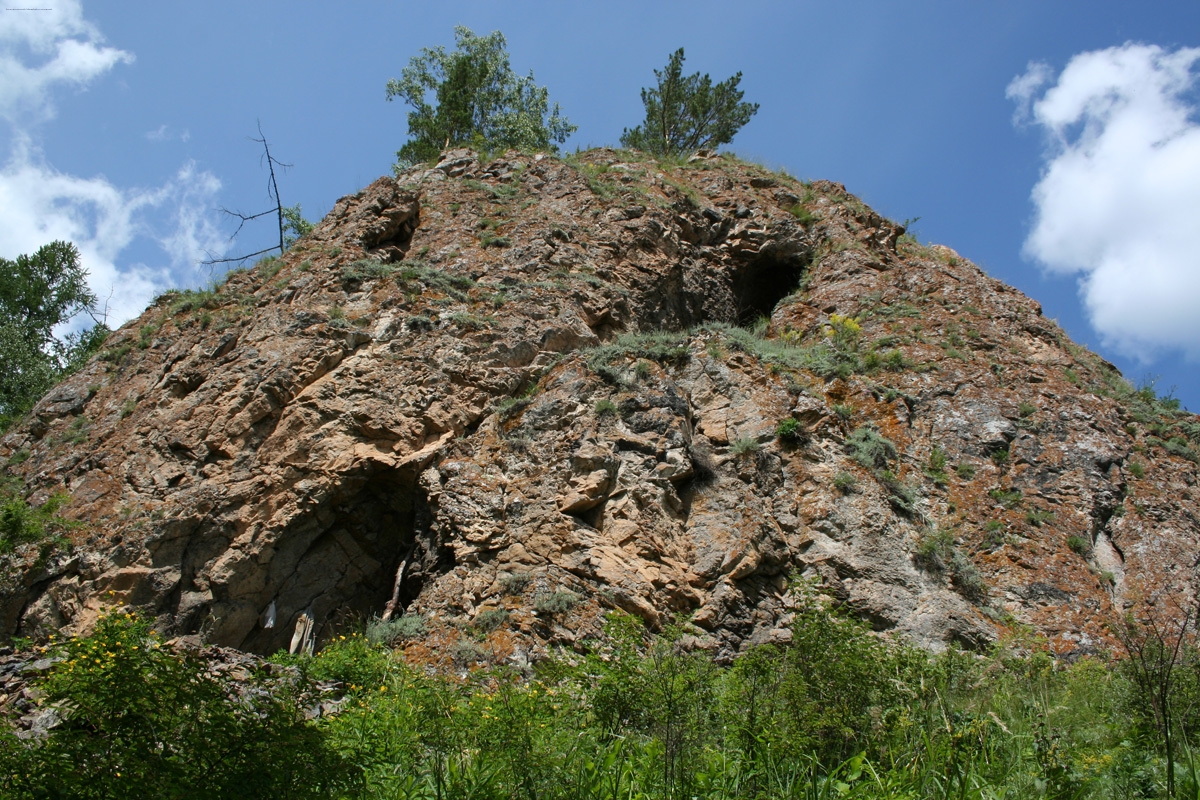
x=761, y=283
x=341, y=561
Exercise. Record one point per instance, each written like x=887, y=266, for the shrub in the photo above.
x=744, y=447
x=22, y=523
x=141, y=720
x=845, y=482
x=606, y=408
x=642, y=369
x=965, y=471
x=559, y=602
x=936, y=468
x=935, y=547
x=870, y=448
x=843, y=411
x=1137, y=470
x=490, y=619
x=1009, y=498
x=515, y=582
x=1037, y=517
x=789, y=430
x=408, y=626
x=1079, y=545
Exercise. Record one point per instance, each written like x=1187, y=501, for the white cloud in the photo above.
x=38, y=204
x=172, y=225
x=1119, y=197
x=39, y=49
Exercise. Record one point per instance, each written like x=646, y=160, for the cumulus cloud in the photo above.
x=39, y=204
x=172, y=225
x=42, y=48
x=1119, y=195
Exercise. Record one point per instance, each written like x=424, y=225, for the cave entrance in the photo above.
x=340, y=562
x=762, y=282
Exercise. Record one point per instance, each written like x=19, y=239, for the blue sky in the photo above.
x=1056, y=144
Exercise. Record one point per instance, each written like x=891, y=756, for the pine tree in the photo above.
x=687, y=113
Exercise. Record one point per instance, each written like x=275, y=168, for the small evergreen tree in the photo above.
x=686, y=113
x=477, y=100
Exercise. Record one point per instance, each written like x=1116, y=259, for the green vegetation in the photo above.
x=1079, y=545
x=845, y=482
x=744, y=447
x=478, y=101
x=686, y=113
x=789, y=430
x=554, y=603
x=870, y=448
x=1008, y=498
x=965, y=470
x=839, y=712
x=1038, y=517
x=23, y=523
x=935, y=469
x=1137, y=469
x=37, y=294
x=606, y=408
x=386, y=632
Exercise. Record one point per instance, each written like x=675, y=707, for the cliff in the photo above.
x=500, y=397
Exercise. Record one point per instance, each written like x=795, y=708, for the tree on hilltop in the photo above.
x=477, y=100
x=686, y=113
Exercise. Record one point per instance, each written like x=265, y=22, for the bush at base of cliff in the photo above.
x=138, y=720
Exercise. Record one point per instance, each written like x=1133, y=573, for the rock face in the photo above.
x=553, y=387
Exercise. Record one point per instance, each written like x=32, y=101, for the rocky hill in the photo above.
x=497, y=398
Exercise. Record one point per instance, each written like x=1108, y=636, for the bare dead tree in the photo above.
x=273, y=193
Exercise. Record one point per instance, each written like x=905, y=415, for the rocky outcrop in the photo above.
x=548, y=387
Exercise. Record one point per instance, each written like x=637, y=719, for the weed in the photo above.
x=128, y=407
x=1038, y=517
x=490, y=619
x=965, y=470
x=870, y=448
x=1026, y=410
x=936, y=468
x=409, y=626
x=744, y=447
x=843, y=411
x=1010, y=498
x=559, y=602
x=1079, y=545
x=1137, y=469
x=515, y=582
x=845, y=482
x=789, y=430
x=606, y=408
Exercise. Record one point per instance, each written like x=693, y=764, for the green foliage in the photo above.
x=554, y=603
x=1079, y=545
x=23, y=523
x=490, y=619
x=686, y=113
x=965, y=470
x=140, y=720
x=1137, y=469
x=606, y=408
x=744, y=447
x=1009, y=498
x=38, y=294
x=789, y=430
x=936, y=467
x=477, y=100
x=870, y=448
x=845, y=482
x=295, y=226
x=408, y=626
x=1038, y=517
